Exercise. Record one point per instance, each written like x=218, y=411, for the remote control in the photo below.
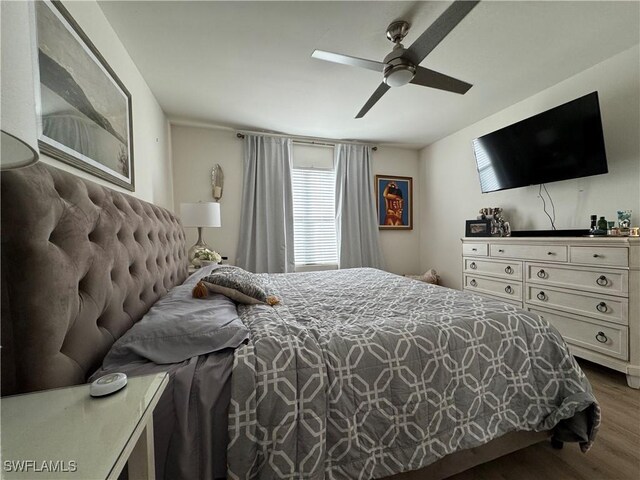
x=108, y=384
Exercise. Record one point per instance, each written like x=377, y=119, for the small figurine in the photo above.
x=499, y=226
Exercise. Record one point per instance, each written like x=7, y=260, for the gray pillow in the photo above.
x=179, y=327
x=237, y=284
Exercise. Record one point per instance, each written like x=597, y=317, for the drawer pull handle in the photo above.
x=601, y=337
x=508, y=270
x=474, y=249
x=602, y=281
x=473, y=283
x=500, y=250
x=473, y=265
x=508, y=289
x=595, y=255
x=542, y=274
x=551, y=253
x=541, y=296
x=602, y=307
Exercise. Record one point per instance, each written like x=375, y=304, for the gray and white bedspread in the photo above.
x=362, y=374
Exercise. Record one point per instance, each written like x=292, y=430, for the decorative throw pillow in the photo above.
x=236, y=284
x=430, y=276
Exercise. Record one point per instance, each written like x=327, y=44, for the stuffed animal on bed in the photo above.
x=430, y=276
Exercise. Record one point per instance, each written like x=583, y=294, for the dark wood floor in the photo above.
x=615, y=454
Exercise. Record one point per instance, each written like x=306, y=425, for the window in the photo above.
x=314, y=216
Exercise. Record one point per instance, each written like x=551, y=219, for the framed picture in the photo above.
x=394, y=201
x=478, y=228
x=84, y=110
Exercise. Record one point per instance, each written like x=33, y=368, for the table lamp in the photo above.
x=19, y=139
x=200, y=215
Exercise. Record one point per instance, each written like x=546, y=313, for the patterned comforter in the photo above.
x=363, y=374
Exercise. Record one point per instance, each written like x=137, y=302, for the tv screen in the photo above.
x=562, y=143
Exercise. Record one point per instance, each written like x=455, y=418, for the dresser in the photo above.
x=588, y=288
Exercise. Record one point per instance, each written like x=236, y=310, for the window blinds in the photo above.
x=488, y=178
x=314, y=217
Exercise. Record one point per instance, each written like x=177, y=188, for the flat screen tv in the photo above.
x=562, y=143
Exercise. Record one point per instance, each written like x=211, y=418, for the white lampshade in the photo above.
x=202, y=214
x=18, y=123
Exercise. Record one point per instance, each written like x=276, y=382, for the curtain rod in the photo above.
x=323, y=142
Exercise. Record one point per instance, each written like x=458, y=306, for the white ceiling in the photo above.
x=248, y=65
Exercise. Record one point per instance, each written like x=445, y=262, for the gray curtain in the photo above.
x=266, y=221
x=356, y=218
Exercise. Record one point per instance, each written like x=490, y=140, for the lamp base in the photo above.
x=199, y=246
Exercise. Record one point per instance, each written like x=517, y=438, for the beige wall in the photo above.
x=197, y=149
x=451, y=190
x=150, y=127
x=401, y=247
x=195, y=152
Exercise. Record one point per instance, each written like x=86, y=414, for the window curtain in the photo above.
x=266, y=219
x=356, y=218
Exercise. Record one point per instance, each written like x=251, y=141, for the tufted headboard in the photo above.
x=80, y=265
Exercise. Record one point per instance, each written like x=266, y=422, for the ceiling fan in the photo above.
x=401, y=66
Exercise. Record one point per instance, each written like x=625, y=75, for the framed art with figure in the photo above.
x=394, y=199
x=84, y=110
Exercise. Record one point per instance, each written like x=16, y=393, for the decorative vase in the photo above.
x=602, y=224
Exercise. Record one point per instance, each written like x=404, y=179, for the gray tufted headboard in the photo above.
x=80, y=265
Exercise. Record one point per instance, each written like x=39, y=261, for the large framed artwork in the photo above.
x=394, y=199
x=84, y=110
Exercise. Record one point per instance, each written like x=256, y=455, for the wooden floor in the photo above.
x=615, y=454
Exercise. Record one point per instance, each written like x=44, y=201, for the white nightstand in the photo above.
x=65, y=433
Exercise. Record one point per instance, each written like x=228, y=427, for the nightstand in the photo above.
x=65, y=433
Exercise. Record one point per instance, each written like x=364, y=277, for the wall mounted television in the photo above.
x=562, y=143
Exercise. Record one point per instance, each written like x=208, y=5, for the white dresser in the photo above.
x=588, y=288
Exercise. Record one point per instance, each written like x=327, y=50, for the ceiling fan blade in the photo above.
x=433, y=79
x=439, y=29
x=347, y=60
x=377, y=95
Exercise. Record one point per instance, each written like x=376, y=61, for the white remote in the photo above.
x=108, y=384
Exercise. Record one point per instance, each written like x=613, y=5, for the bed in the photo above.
x=355, y=374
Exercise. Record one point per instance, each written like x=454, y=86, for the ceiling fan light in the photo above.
x=399, y=75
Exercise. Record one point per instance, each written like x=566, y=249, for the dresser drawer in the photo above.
x=612, y=282
x=475, y=249
x=551, y=253
x=495, y=268
x=491, y=286
x=610, y=256
x=604, y=307
x=601, y=337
